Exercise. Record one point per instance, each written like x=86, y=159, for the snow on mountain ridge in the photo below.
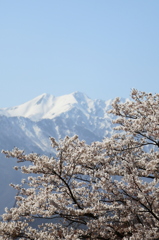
x=47, y=106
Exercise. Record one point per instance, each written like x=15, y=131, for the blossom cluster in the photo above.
x=106, y=190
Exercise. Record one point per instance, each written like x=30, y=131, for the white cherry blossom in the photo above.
x=107, y=190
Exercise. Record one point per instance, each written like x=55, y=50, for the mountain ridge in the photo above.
x=47, y=106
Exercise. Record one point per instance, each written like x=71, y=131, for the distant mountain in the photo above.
x=28, y=126
x=47, y=106
x=48, y=115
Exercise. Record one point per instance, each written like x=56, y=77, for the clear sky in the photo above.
x=102, y=48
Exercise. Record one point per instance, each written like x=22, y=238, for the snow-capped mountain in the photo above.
x=59, y=116
x=29, y=126
x=48, y=106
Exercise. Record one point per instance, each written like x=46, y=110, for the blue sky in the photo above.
x=102, y=48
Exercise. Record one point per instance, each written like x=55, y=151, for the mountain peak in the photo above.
x=43, y=97
x=79, y=96
x=46, y=106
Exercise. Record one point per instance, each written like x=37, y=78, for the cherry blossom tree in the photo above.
x=107, y=190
